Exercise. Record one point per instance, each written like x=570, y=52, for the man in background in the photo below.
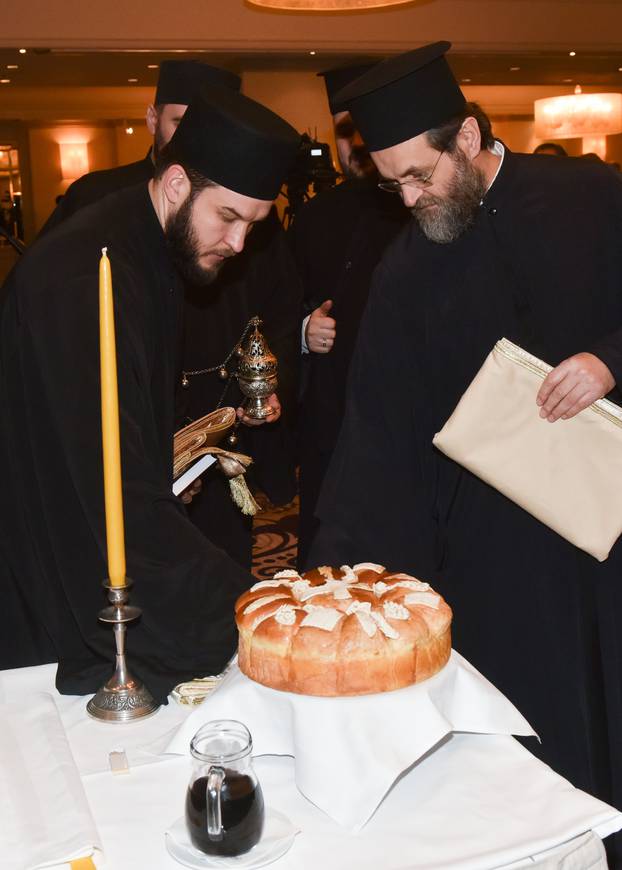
x=551, y=148
x=178, y=82
x=338, y=238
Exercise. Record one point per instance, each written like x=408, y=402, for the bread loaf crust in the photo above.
x=346, y=631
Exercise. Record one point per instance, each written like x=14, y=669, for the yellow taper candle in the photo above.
x=115, y=538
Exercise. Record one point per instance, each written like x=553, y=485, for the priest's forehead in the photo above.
x=410, y=159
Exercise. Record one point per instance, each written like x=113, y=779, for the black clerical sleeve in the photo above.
x=609, y=348
x=275, y=282
x=374, y=452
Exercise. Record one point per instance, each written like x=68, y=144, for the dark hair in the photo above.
x=168, y=157
x=443, y=138
x=548, y=147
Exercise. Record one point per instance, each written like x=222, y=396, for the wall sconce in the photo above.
x=74, y=159
x=592, y=117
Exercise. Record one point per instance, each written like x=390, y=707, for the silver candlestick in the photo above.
x=257, y=374
x=122, y=698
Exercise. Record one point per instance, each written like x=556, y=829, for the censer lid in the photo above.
x=256, y=359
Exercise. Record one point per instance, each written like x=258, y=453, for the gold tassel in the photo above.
x=242, y=496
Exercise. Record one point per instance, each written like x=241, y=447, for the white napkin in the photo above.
x=349, y=751
x=46, y=819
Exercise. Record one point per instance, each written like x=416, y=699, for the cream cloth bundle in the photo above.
x=567, y=474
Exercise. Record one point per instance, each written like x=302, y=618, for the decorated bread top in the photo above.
x=387, y=604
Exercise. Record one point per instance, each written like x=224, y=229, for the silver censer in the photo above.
x=122, y=698
x=257, y=374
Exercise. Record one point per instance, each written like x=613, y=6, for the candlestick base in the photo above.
x=122, y=698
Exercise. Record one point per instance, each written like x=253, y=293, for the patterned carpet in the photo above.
x=275, y=538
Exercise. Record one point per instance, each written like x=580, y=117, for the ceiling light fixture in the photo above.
x=572, y=53
x=592, y=117
x=152, y=66
x=22, y=51
x=12, y=66
x=514, y=68
x=132, y=80
x=5, y=81
x=326, y=5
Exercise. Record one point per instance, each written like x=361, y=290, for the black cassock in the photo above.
x=95, y=185
x=542, y=265
x=337, y=238
x=52, y=530
x=261, y=280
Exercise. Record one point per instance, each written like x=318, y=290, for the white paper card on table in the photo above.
x=46, y=819
x=364, y=743
x=192, y=472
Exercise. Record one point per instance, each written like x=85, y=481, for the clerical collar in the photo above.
x=498, y=149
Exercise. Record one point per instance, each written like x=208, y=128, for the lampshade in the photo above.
x=577, y=115
x=326, y=5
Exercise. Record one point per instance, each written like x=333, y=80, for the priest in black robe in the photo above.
x=261, y=281
x=501, y=244
x=186, y=222
x=337, y=238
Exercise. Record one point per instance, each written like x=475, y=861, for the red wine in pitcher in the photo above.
x=242, y=814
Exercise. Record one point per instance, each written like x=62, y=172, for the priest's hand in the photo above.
x=274, y=403
x=190, y=491
x=320, y=333
x=573, y=385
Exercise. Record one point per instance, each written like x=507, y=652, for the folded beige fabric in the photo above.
x=194, y=440
x=567, y=474
x=200, y=438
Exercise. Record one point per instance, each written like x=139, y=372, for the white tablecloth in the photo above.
x=476, y=802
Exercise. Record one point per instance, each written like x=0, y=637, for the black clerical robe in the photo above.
x=52, y=531
x=95, y=185
x=542, y=265
x=338, y=238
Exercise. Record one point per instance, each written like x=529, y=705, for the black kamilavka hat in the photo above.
x=338, y=77
x=236, y=142
x=403, y=96
x=180, y=80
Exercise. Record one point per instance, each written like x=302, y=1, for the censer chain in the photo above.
x=222, y=366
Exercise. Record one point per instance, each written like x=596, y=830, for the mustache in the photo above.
x=225, y=253
x=425, y=200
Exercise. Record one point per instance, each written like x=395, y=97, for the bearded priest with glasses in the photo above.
x=501, y=244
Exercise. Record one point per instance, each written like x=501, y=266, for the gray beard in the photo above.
x=444, y=219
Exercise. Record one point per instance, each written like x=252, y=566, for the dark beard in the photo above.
x=183, y=248
x=445, y=218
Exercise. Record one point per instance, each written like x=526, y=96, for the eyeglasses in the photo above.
x=418, y=184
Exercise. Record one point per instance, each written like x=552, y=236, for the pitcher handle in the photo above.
x=215, y=779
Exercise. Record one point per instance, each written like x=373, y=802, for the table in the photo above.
x=491, y=779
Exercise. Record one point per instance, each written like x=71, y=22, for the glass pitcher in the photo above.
x=224, y=803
